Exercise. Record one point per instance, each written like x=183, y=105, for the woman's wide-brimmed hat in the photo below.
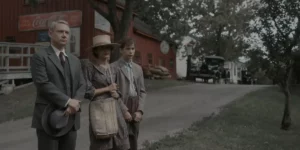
x=103, y=41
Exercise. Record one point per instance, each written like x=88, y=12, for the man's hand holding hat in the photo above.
x=73, y=106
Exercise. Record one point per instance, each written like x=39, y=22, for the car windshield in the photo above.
x=213, y=62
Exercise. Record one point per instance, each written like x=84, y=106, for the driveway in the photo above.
x=167, y=111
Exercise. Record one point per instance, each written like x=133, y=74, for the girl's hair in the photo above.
x=96, y=50
x=127, y=41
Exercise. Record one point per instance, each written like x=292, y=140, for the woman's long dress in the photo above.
x=99, y=77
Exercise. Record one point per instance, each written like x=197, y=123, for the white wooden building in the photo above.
x=235, y=68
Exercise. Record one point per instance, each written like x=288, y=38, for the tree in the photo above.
x=166, y=17
x=120, y=25
x=278, y=26
x=223, y=25
x=258, y=65
x=33, y=2
x=258, y=60
x=297, y=67
x=217, y=26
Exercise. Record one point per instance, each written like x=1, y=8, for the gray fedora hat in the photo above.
x=55, y=122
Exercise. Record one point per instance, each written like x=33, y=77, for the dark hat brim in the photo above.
x=47, y=128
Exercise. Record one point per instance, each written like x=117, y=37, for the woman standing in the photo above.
x=98, y=75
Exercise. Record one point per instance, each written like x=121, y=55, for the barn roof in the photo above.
x=141, y=26
x=138, y=24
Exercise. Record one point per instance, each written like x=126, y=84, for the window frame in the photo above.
x=171, y=63
x=137, y=57
x=41, y=1
x=150, y=58
x=26, y=2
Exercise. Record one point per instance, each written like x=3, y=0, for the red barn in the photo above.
x=22, y=23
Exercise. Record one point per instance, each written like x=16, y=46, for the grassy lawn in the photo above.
x=19, y=104
x=251, y=123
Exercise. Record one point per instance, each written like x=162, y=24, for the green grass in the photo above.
x=19, y=104
x=250, y=123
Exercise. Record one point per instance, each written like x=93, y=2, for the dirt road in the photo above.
x=167, y=111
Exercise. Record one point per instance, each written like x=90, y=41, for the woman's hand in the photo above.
x=112, y=87
x=115, y=94
x=127, y=116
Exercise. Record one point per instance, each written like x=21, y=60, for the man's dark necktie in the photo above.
x=62, y=60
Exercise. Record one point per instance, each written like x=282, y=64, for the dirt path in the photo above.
x=167, y=111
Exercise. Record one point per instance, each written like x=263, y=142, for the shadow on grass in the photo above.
x=250, y=123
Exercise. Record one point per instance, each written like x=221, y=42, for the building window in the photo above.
x=171, y=63
x=26, y=2
x=10, y=39
x=137, y=57
x=12, y=50
x=161, y=62
x=150, y=59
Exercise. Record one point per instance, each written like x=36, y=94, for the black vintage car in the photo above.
x=209, y=68
x=246, y=77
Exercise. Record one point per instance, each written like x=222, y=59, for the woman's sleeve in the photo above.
x=88, y=76
x=123, y=106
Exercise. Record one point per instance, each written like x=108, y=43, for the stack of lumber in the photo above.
x=156, y=72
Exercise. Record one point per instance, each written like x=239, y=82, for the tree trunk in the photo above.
x=218, y=40
x=116, y=52
x=121, y=30
x=126, y=18
x=188, y=68
x=286, y=120
x=120, y=26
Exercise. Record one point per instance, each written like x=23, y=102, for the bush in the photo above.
x=264, y=80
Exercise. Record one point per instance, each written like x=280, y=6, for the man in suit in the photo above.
x=59, y=82
x=130, y=80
